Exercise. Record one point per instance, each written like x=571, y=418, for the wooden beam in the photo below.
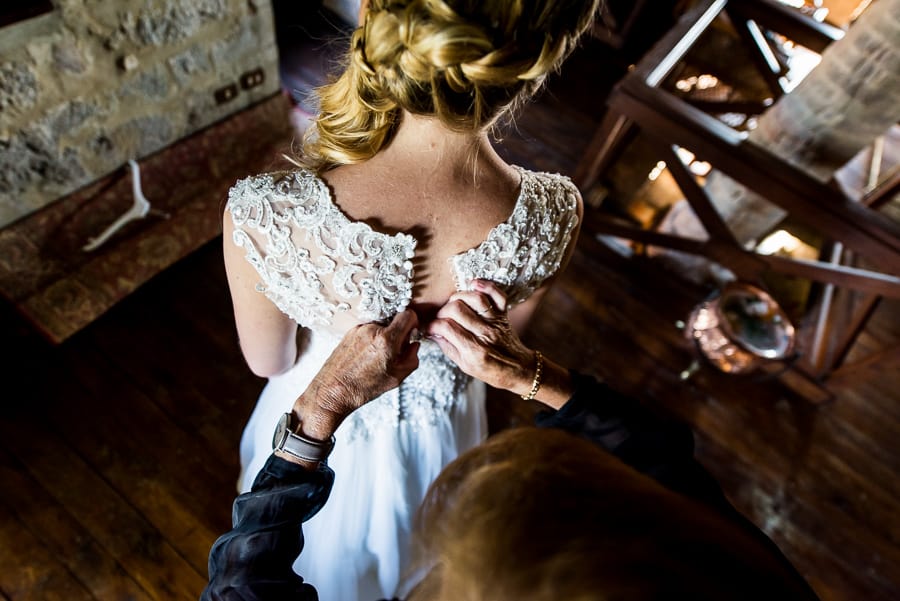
x=852, y=330
x=717, y=107
x=886, y=359
x=883, y=192
x=799, y=382
x=761, y=54
x=713, y=223
x=600, y=225
x=671, y=48
x=749, y=265
x=789, y=22
x=746, y=265
x=839, y=275
x=604, y=148
x=833, y=251
x=808, y=199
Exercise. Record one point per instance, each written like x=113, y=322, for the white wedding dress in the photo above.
x=330, y=273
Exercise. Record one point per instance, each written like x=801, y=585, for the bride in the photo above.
x=402, y=201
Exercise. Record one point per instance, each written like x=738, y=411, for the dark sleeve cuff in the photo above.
x=658, y=447
x=615, y=422
x=254, y=560
x=278, y=472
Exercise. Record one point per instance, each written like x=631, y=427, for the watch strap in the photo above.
x=302, y=447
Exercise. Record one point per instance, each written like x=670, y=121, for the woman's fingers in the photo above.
x=448, y=335
x=400, y=328
x=399, y=332
x=489, y=361
x=459, y=308
x=497, y=296
x=480, y=304
x=473, y=331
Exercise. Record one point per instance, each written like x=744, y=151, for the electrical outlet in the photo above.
x=251, y=79
x=226, y=93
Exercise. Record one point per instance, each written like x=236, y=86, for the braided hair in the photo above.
x=465, y=62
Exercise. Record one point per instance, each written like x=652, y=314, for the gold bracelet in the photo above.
x=538, y=374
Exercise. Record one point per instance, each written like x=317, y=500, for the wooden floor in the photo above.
x=118, y=449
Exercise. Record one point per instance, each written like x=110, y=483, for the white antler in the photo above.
x=138, y=210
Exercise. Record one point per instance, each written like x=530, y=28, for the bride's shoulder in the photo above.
x=296, y=186
x=544, y=176
x=543, y=186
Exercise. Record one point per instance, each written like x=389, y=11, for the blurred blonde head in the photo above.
x=464, y=62
x=540, y=515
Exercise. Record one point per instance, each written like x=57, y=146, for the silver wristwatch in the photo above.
x=287, y=441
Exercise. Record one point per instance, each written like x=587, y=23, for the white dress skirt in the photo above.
x=386, y=455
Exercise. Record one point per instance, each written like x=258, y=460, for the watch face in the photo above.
x=281, y=432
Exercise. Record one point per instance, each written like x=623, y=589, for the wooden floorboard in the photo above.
x=40, y=574
x=177, y=502
x=68, y=542
x=96, y=506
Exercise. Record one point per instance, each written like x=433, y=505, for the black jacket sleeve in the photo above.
x=254, y=560
x=658, y=447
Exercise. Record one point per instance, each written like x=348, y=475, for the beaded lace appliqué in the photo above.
x=529, y=246
x=314, y=263
x=369, y=272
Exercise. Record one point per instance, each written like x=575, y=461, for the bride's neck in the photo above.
x=429, y=144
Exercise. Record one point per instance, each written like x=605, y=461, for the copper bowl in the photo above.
x=740, y=329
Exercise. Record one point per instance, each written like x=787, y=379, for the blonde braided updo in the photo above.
x=464, y=62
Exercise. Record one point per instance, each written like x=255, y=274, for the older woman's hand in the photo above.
x=370, y=360
x=473, y=330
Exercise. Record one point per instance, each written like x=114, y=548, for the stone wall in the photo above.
x=94, y=83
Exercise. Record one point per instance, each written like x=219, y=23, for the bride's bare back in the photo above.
x=447, y=190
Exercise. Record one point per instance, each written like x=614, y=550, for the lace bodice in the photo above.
x=330, y=273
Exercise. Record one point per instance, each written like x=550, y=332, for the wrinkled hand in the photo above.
x=370, y=360
x=473, y=330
